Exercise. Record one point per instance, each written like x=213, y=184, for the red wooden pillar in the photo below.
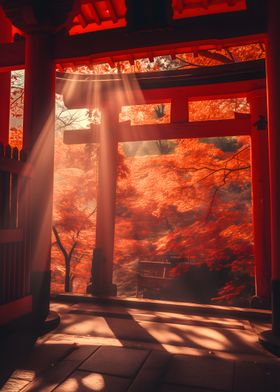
x=5, y=82
x=261, y=201
x=38, y=141
x=105, y=219
x=273, y=87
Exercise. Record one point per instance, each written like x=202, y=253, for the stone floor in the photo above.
x=115, y=349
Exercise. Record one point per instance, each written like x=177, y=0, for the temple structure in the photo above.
x=48, y=36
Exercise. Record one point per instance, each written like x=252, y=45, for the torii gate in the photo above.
x=177, y=88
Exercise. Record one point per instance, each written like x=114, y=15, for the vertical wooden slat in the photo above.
x=24, y=223
x=15, y=264
x=21, y=223
x=7, y=218
x=2, y=185
x=2, y=265
x=14, y=257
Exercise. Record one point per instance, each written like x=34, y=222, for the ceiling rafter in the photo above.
x=179, y=5
x=112, y=11
x=82, y=19
x=92, y=8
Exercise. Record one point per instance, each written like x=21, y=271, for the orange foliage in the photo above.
x=196, y=203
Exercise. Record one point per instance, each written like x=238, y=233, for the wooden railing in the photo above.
x=15, y=175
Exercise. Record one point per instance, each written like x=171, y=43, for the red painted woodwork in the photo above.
x=80, y=50
x=260, y=191
x=124, y=132
x=190, y=8
x=16, y=167
x=97, y=15
x=105, y=217
x=11, y=235
x=12, y=56
x=14, y=226
x=5, y=82
x=98, y=47
x=38, y=140
x=15, y=309
x=273, y=84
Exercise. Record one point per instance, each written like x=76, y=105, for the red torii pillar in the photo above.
x=5, y=82
x=272, y=338
x=261, y=201
x=38, y=142
x=102, y=272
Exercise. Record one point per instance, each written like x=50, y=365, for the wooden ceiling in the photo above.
x=95, y=15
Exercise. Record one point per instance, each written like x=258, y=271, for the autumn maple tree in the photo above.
x=194, y=202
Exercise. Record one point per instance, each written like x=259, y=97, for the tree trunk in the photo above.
x=67, y=283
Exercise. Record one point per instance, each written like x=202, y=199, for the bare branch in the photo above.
x=59, y=242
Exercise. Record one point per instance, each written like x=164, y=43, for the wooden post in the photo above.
x=38, y=142
x=105, y=218
x=273, y=86
x=261, y=201
x=5, y=82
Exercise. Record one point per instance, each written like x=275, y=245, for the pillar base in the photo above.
x=270, y=342
x=40, y=289
x=52, y=321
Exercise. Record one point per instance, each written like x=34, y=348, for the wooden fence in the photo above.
x=15, y=175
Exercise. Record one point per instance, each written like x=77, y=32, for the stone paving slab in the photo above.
x=201, y=372
x=81, y=353
x=152, y=372
x=40, y=358
x=116, y=361
x=14, y=385
x=52, y=377
x=260, y=356
x=256, y=377
x=81, y=381
x=180, y=388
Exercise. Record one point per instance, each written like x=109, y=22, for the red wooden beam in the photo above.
x=12, y=56
x=80, y=49
x=5, y=82
x=198, y=129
